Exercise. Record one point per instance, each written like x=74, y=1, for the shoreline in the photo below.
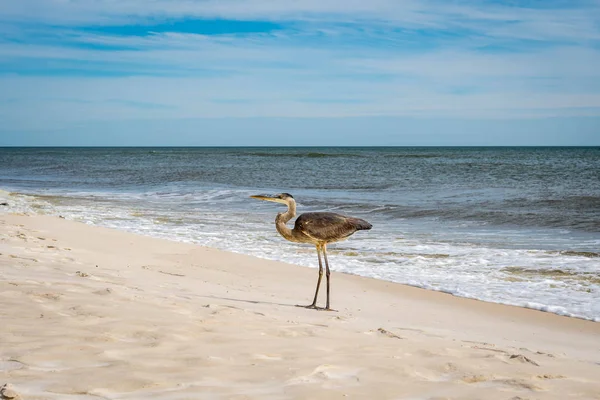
x=532, y=305
x=148, y=305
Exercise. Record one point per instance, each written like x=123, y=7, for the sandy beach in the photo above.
x=95, y=313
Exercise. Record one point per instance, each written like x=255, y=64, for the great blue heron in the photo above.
x=318, y=228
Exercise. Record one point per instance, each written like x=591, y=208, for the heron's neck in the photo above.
x=283, y=218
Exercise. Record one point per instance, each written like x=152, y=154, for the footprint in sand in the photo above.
x=103, y=292
x=341, y=318
x=21, y=236
x=549, y=376
x=477, y=378
x=519, y=384
x=389, y=334
x=491, y=379
x=267, y=357
x=328, y=374
x=507, y=357
x=295, y=331
x=226, y=310
x=545, y=354
x=48, y=296
x=10, y=365
x=23, y=258
x=222, y=310
x=8, y=392
x=522, y=359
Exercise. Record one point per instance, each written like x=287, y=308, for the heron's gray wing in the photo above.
x=329, y=226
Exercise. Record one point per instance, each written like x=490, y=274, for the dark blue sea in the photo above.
x=511, y=225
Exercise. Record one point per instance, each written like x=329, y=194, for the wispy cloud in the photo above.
x=109, y=60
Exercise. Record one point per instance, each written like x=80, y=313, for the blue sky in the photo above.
x=260, y=72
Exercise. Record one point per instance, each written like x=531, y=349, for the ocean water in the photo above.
x=518, y=226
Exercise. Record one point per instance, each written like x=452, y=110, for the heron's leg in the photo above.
x=314, y=303
x=327, y=273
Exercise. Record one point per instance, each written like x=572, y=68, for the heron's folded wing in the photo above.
x=329, y=226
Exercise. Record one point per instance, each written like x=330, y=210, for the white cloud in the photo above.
x=579, y=21
x=323, y=67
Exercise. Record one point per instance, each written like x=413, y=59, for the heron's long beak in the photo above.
x=269, y=198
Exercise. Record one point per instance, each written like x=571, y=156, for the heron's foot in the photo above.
x=315, y=307
x=310, y=306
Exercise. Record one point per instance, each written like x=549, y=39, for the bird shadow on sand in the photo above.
x=250, y=301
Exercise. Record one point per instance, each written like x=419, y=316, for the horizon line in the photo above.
x=289, y=146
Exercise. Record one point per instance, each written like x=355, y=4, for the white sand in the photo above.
x=93, y=313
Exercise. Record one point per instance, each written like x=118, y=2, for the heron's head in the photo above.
x=283, y=198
